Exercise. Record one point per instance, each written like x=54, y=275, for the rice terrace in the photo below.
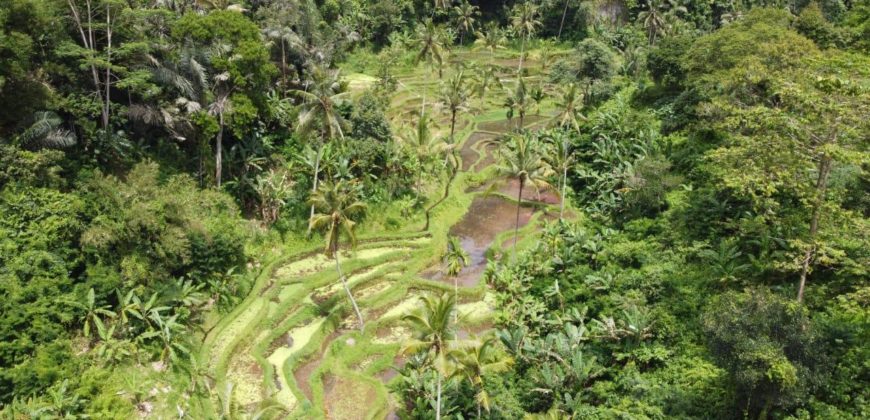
x=434, y=209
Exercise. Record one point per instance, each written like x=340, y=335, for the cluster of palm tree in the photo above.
x=436, y=344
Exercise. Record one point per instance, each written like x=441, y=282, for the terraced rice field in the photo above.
x=295, y=339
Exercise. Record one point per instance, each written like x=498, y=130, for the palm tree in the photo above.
x=492, y=39
x=485, y=80
x=422, y=145
x=338, y=205
x=569, y=106
x=655, y=20
x=525, y=23
x=477, y=361
x=431, y=44
x=465, y=14
x=287, y=38
x=518, y=102
x=451, y=164
x=319, y=105
x=434, y=331
x=220, y=107
x=46, y=132
x=562, y=22
x=455, y=259
x=521, y=158
x=454, y=96
x=560, y=158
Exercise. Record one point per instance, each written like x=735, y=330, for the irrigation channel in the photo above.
x=295, y=341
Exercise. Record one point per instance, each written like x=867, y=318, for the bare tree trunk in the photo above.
x=218, y=155
x=519, y=204
x=444, y=197
x=821, y=188
x=347, y=290
x=283, y=68
x=456, y=296
x=452, y=124
x=316, y=178
x=108, y=81
x=438, y=400
x=522, y=54
x=564, y=185
x=88, y=42
x=562, y=24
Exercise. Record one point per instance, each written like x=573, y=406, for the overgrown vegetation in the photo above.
x=540, y=209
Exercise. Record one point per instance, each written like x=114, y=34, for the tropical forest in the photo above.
x=435, y=209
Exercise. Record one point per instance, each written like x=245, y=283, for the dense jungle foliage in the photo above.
x=709, y=259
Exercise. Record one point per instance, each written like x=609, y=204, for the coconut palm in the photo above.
x=319, y=101
x=434, y=331
x=518, y=103
x=431, y=44
x=422, y=145
x=485, y=80
x=560, y=158
x=288, y=39
x=569, y=105
x=451, y=164
x=475, y=362
x=337, y=204
x=465, y=16
x=455, y=259
x=655, y=18
x=520, y=158
x=524, y=20
x=562, y=22
x=454, y=97
x=492, y=38
x=220, y=107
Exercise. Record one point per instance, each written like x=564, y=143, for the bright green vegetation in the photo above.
x=353, y=209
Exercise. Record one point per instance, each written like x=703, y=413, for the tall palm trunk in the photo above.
x=218, y=155
x=562, y=24
x=347, y=290
x=438, y=399
x=283, y=68
x=564, y=185
x=455, y=296
x=522, y=54
x=519, y=204
x=440, y=200
x=316, y=178
x=452, y=124
x=821, y=188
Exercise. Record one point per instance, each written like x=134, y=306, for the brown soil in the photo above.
x=303, y=373
x=473, y=330
x=468, y=153
x=388, y=374
x=486, y=218
x=503, y=126
x=546, y=195
x=346, y=399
